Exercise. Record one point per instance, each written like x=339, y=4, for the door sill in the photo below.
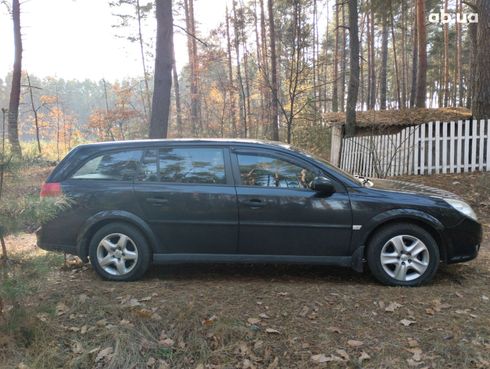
x=345, y=261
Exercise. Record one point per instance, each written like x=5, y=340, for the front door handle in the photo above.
x=157, y=201
x=254, y=203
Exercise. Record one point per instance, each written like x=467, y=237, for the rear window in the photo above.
x=184, y=165
x=117, y=166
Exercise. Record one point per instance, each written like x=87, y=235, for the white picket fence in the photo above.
x=435, y=147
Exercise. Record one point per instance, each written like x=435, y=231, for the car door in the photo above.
x=280, y=215
x=187, y=195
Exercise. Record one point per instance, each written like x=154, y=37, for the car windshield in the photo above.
x=363, y=180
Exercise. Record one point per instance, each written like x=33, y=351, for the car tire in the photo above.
x=403, y=255
x=119, y=252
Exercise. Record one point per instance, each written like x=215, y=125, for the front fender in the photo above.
x=360, y=238
x=107, y=216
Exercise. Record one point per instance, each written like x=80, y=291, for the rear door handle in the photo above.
x=254, y=203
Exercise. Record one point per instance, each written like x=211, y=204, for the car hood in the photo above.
x=414, y=188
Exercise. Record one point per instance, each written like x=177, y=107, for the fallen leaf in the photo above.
x=334, y=330
x=320, y=358
x=144, y=313
x=355, y=343
x=82, y=298
x=412, y=342
x=272, y=331
x=77, y=348
x=168, y=342
x=42, y=317
x=484, y=298
x=61, y=309
x=407, y=322
x=429, y=311
x=304, y=311
x=417, y=353
x=151, y=362
x=343, y=354
x=210, y=320
x=253, y=320
x=84, y=329
x=364, y=356
x=156, y=316
x=103, y=354
x=264, y=316
x=392, y=307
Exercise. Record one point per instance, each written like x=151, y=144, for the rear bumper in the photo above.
x=49, y=246
x=464, y=241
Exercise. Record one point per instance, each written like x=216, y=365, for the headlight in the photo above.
x=462, y=207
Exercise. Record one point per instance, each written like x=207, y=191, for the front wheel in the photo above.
x=119, y=252
x=403, y=255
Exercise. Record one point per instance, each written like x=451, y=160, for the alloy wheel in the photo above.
x=117, y=254
x=405, y=258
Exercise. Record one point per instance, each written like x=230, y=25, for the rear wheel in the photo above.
x=119, y=252
x=403, y=255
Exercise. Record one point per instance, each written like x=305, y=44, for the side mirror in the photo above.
x=322, y=185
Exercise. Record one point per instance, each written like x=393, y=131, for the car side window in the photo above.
x=118, y=166
x=184, y=165
x=269, y=171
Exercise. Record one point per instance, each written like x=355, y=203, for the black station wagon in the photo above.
x=181, y=201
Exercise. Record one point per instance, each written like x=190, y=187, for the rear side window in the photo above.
x=117, y=166
x=184, y=165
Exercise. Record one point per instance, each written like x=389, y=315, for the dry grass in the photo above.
x=212, y=316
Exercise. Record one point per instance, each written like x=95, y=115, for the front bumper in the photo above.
x=463, y=241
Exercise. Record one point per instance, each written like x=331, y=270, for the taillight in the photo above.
x=51, y=190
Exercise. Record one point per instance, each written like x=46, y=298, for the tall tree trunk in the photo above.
x=163, y=70
x=230, y=78
x=369, y=62
x=480, y=104
x=147, y=104
x=422, y=59
x=361, y=62
x=274, y=84
x=13, y=131
x=459, y=77
x=259, y=117
x=372, y=95
x=34, y=112
x=265, y=66
x=404, y=59
x=473, y=32
x=178, y=106
x=335, y=84
x=458, y=80
x=196, y=122
x=343, y=66
x=241, y=85
x=350, y=121
x=395, y=59
x=384, y=63
x=413, y=88
x=446, y=59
